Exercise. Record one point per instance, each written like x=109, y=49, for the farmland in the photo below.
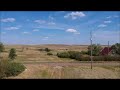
x=39, y=65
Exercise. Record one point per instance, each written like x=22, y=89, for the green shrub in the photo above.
x=41, y=49
x=63, y=55
x=47, y=50
x=1, y=47
x=96, y=48
x=13, y=69
x=8, y=68
x=12, y=54
x=84, y=52
x=49, y=53
x=106, y=58
x=70, y=54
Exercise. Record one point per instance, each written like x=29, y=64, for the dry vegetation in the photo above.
x=34, y=60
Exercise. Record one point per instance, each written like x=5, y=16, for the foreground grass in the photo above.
x=68, y=72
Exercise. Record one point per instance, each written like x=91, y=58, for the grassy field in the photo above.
x=38, y=64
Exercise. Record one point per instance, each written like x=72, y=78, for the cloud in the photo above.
x=102, y=25
x=27, y=20
x=105, y=36
x=107, y=21
x=71, y=30
x=46, y=37
x=108, y=17
x=50, y=27
x=26, y=33
x=74, y=15
x=51, y=23
x=8, y=20
x=51, y=18
x=3, y=32
x=40, y=21
x=116, y=16
x=77, y=33
x=35, y=30
x=11, y=28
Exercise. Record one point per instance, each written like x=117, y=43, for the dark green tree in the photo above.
x=116, y=48
x=95, y=49
x=1, y=47
x=12, y=54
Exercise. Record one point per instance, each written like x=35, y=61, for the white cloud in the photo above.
x=107, y=21
x=74, y=15
x=105, y=36
x=8, y=20
x=11, y=28
x=108, y=17
x=102, y=25
x=28, y=20
x=51, y=18
x=77, y=33
x=71, y=30
x=26, y=33
x=46, y=37
x=40, y=21
x=116, y=16
x=51, y=23
x=3, y=33
x=35, y=30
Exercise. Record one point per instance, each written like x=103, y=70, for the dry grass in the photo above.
x=67, y=72
x=32, y=55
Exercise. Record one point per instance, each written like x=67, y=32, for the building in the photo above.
x=106, y=51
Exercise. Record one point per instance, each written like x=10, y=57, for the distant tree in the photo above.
x=116, y=48
x=12, y=54
x=95, y=49
x=1, y=47
x=47, y=49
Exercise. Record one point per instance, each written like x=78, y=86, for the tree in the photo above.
x=1, y=47
x=95, y=49
x=47, y=49
x=12, y=54
x=116, y=48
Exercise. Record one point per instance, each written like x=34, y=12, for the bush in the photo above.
x=8, y=68
x=47, y=49
x=95, y=49
x=1, y=47
x=106, y=58
x=84, y=52
x=63, y=55
x=49, y=53
x=12, y=54
x=41, y=49
x=70, y=54
x=13, y=69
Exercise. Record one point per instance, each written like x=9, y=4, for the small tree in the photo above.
x=1, y=47
x=95, y=49
x=116, y=48
x=47, y=49
x=12, y=54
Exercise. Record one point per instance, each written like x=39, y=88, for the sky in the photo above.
x=59, y=27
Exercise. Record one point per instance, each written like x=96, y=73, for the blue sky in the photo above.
x=59, y=27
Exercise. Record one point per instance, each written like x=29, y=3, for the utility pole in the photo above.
x=108, y=47
x=119, y=35
x=91, y=48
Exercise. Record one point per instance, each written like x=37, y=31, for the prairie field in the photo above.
x=39, y=65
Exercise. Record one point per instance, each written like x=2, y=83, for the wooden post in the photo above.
x=91, y=48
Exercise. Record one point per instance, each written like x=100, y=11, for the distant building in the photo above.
x=106, y=51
